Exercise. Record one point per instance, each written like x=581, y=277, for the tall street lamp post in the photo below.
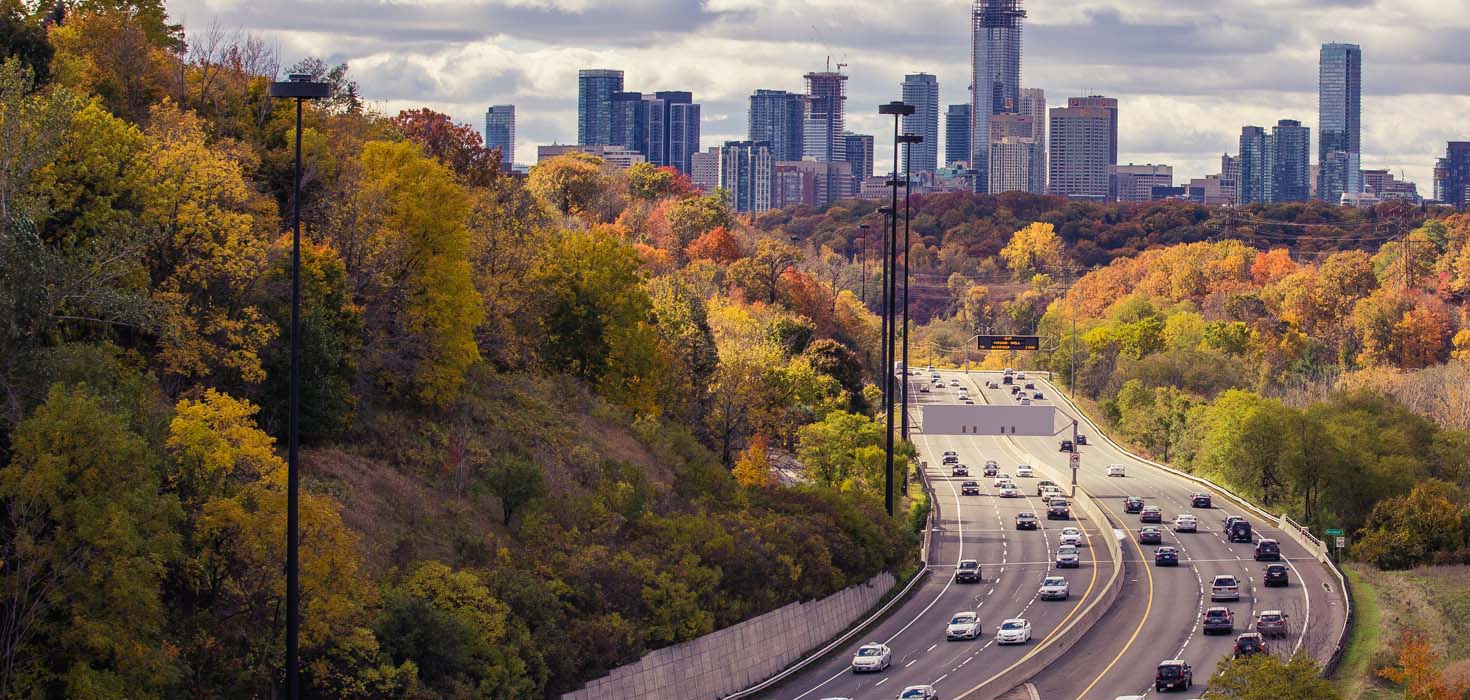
x=301, y=88
x=908, y=139
x=897, y=109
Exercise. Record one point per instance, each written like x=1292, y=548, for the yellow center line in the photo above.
x=1147, y=609
x=1058, y=628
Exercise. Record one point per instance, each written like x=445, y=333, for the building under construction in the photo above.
x=996, y=77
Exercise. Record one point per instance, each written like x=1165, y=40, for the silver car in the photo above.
x=872, y=657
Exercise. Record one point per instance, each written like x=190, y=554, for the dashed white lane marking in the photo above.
x=936, y=680
x=885, y=680
x=931, y=648
x=910, y=663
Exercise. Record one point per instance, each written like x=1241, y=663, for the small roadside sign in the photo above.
x=1076, y=460
x=1333, y=532
x=1341, y=542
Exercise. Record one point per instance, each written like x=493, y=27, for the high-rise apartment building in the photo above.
x=823, y=138
x=1275, y=167
x=1136, y=183
x=1452, y=176
x=1339, y=122
x=1229, y=183
x=595, y=88
x=663, y=126
x=1254, y=182
x=776, y=118
x=1084, y=142
x=704, y=169
x=957, y=134
x=1016, y=164
x=922, y=91
x=1291, y=159
x=500, y=132
x=995, y=61
x=859, y=149
x=748, y=173
x=1033, y=105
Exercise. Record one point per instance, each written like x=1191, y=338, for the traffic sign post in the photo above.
x=1334, y=532
x=1342, y=542
x=1008, y=342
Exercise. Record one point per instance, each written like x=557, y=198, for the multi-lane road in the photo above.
x=1156, y=617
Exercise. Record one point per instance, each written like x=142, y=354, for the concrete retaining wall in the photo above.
x=737, y=657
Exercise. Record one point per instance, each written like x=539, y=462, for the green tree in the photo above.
x=843, y=450
x=87, y=541
x=692, y=217
x=760, y=274
x=1244, y=443
x=517, y=482
x=571, y=183
x=1406, y=531
x=1267, y=677
x=23, y=37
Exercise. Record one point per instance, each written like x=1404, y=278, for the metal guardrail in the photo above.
x=924, y=554
x=1297, y=532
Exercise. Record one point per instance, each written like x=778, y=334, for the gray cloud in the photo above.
x=1188, y=74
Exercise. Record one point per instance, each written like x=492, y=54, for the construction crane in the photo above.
x=823, y=40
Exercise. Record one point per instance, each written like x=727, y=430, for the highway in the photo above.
x=1157, y=616
x=1014, y=563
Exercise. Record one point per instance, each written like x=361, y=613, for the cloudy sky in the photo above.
x=1188, y=73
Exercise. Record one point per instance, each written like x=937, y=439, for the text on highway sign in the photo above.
x=1009, y=342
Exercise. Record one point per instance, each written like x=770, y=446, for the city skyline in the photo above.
x=1183, y=110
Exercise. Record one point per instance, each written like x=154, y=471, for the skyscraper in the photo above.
x=1339, y=112
x=663, y=126
x=1136, y=183
x=922, y=91
x=1084, y=142
x=683, y=129
x=995, y=86
x=776, y=118
x=1291, y=158
x=1015, y=155
x=1452, y=175
x=859, y=151
x=704, y=169
x=957, y=134
x=748, y=173
x=1253, y=186
x=595, y=88
x=1033, y=104
x=823, y=137
x=500, y=132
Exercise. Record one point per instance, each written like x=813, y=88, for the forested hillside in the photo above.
x=539, y=415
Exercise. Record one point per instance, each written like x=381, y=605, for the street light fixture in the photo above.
x=897, y=109
x=301, y=88
x=908, y=164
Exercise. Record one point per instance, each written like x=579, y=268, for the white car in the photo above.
x=1025, y=401
x=1116, y=470
x=1072, y=536
x=872, y=657
x=1184, y=522
x=1025, y=470
x=1067, y=557
x=1001, y=480
x=1224, y=587
x=919, y=692
x=1020, y=375
x=1050, y=493
x=1054, y=588
x=1013, y=631
x=1010, y=492
x=964, y=625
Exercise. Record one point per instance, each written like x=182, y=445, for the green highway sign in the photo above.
x=1333, y=532
x=1009, y=342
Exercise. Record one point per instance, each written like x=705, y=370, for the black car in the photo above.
x=1082, y=439
x=1200, y=500
x=1219, y=620
x=959, y=470
x=1150, y=535
x=1249, y=643
x=1166, y=556
x=1151, y=514
x=1066, y=446
x=1006, y=379
x=1058, y=509
x=951, y=459
x=970, y=488
x=1268, y=550
x=1030, y=385
x=991, y=471
x=1015, y=389
x=1277, y=575
x=1174, y=674
x=1132, y=504
x=1038, y=396
x=1239, y=530
x=967, y=571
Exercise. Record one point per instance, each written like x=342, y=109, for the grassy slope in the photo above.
x=1432, y=600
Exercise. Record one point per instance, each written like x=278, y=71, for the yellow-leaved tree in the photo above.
x=423, y=307
x=1033, y=249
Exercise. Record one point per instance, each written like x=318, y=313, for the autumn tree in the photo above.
x=1268, y=677
x=717, y=245
x=691, y=217
x=648, y=182
x=571, y=183
x=23, y=37
x=760, y=274
x=84, y=506
x=458, y=146
x=125, y=58
x=1036, y=248
x=1417, y=669
x=1405, y=531
x=753, y=466
x=422, y=309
